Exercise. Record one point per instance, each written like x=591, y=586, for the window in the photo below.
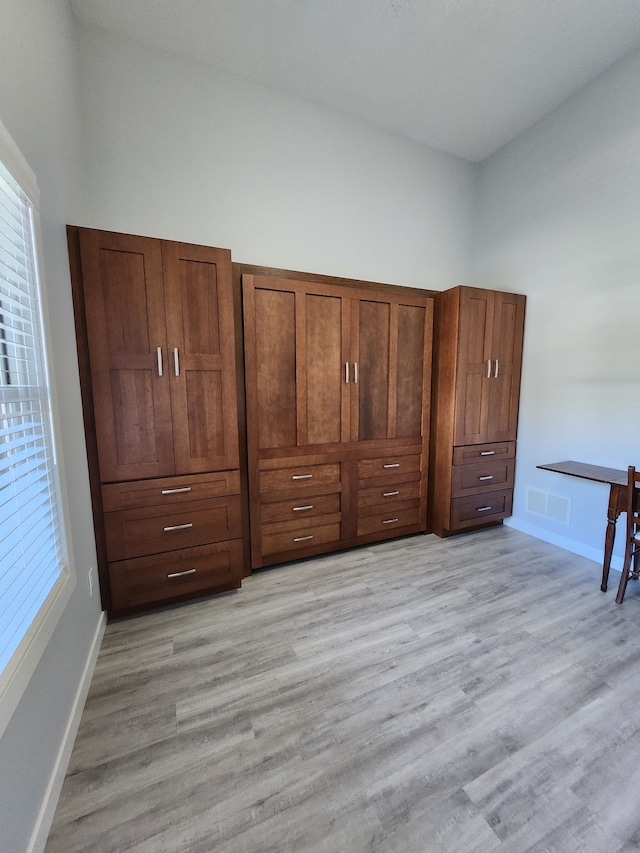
x=33, y=561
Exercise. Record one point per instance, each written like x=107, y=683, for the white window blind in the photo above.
x=31, y=542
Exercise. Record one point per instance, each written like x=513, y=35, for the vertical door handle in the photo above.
x=176, y=361
x=159, y=354
x=489, y=368
x=346, y=372
x=355, y=372
x=495, y=374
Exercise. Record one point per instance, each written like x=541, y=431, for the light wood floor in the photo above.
x=467, y=695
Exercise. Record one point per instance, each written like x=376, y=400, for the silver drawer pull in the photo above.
x=390, y=521
x=389, y=494
x=302, y=476
x=182, y=574
x=302, y=508
x=487, y=452
x=392, y=465
x=488, y=477
x=178, y=527
x=176, y=491
x=302, y=538
x=484, y=508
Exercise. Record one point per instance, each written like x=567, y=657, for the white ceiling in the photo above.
x=463, y=76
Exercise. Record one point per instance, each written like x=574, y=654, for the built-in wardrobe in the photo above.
x=239, y=416
x=156, y=344
x=338, y=380
x=478, y=360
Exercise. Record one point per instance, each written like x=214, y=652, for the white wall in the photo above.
x=559, y=220
x=178, y=150
x=38, y=106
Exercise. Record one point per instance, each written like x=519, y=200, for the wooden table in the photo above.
x=617, y=481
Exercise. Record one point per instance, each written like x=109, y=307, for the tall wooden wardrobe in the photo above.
x=479, y=337
x=156, y=344
x=338, y=378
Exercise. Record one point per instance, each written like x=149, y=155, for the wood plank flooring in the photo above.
x=470, y=695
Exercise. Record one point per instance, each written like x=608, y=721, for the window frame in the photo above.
x=16, y=675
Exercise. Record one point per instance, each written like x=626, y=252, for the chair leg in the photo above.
x=636, y=558
x=624, y=577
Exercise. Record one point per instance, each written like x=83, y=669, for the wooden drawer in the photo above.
x=482, y=477
x=478, y=509
x=389, y=466
x=145, y=580
x=169, y=490
x=298, y=480
x=390, y=520
x=291, y=540
x=484, y=452
x=373, y=496
x=150, y=530
x=317, y=505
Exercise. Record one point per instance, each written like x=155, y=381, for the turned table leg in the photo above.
x=617, y=502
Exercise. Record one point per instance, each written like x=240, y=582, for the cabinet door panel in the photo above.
x=274, y=337
x=474, y=353
x=320, y=369
x=200, y=334
x=125, y=327
x=411, y=355
x=504, y=388
x=373, y=350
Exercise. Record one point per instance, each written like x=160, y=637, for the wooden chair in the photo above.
x=632, y=549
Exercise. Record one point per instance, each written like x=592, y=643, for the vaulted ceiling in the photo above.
x=463, y=76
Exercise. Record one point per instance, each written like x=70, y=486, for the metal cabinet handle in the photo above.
x=159, y=354
x=488, y=477
x=176, y=361
x=484, y=508
x=176, y=491
x=355, y=372
x=301, y=476
x=390, y=521
x=302, y=508
x=489, y=368
x=182, y=574
x=302, y=538
x=392, y=465
x=346, y=372
x=178, y=527
x=389, y=494
x=495, y=374
x=487, y=452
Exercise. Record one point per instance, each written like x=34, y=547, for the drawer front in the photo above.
x=484, y=452
x=137, y=532
x=146, y=580
x=169, y=490
x=292, y=540
x=298, y=479
x=388, y=466
x=389, y=521
x=477, y=509
x=393, y=493
x=318, y=505
x=482, y=477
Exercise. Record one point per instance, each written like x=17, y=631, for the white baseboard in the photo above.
x=47, y=811
x=595, y=554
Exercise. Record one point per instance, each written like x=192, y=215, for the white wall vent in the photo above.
x=552, y=506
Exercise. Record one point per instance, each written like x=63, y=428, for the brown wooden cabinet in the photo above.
x=479, y=337
x=338, y=380
x=156, y=339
